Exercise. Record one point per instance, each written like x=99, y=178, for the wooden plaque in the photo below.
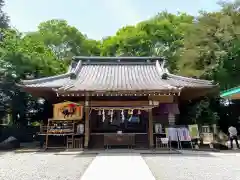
x=67, y=111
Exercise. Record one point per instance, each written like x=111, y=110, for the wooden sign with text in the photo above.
x=67, y=111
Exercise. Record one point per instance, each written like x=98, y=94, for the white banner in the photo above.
x=183, y=134
x=171, y=133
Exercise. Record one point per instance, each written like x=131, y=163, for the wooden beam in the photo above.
x=86, y=133
x=120, y=93
x=150, y=128
x=111, y=103
x=163, y=98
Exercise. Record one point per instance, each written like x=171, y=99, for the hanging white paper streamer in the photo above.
x=130, y=118
x=111, y=115
x=122, y=114
x=103, y=115
x=139, y=112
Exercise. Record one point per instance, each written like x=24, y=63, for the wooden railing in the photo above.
x=127, y=139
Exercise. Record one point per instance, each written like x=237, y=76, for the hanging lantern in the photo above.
x=130, y=111
x=103, y=115
x=111, y=115
x=99, y=112
x=122, y=114
x=139, y=112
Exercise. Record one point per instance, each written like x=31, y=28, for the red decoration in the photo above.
x=72, y=105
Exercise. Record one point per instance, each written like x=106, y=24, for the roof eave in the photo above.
x=157, y=92
x=115, y=58
x=230, y=92
x=37, y=88
x=45, y=79
x=193, y=80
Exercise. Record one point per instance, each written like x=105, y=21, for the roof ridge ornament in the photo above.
x=74, y=69
x=160, y=68
x=165, y=76
x=73, y=76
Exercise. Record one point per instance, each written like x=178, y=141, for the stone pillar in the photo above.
x=171, y=119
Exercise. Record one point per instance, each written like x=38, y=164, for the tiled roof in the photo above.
x=112, y=74
x=51, y=82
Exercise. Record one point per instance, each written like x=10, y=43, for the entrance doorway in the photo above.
x=120, y=129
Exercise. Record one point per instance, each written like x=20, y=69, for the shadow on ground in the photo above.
x=123, y=152
x=230, y=151
x=180, y=155
x=2, y=153
x=112, y=152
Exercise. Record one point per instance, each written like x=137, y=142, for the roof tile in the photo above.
x=109, y=75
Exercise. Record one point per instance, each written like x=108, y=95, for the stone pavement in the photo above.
x=195, y=166
x=118, y=167
x=190, y=165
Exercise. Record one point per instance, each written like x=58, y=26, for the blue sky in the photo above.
x=97, y=18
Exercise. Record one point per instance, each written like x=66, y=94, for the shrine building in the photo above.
x=112, y=101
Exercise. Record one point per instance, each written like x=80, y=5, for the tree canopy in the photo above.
x=3, y=17
x=204, y=46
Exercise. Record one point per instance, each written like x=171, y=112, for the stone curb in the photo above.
x=206, y=150
x=173, y=151
x=28, y=150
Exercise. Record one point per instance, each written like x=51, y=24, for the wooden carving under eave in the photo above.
x=67, y=111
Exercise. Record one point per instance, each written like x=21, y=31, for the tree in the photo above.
x=212, y=47
x=20, y=58
x=64, y=40
x=129, y=41
x=200, y=111
x=167, y=32
x=161, y=35
x=3, y=17
x=206, y=46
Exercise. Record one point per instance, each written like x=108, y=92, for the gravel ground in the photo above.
x=43, y=166
x=195, y=166
x=187, y=166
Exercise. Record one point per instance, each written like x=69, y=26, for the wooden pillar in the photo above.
x=46, y=145
x=86, y=133
x=150, y=128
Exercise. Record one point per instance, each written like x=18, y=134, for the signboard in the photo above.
x=158, y=128
x=207, y=138
x=171, y=133
x=193, y=131
x=183, y=134
x=67, y=111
